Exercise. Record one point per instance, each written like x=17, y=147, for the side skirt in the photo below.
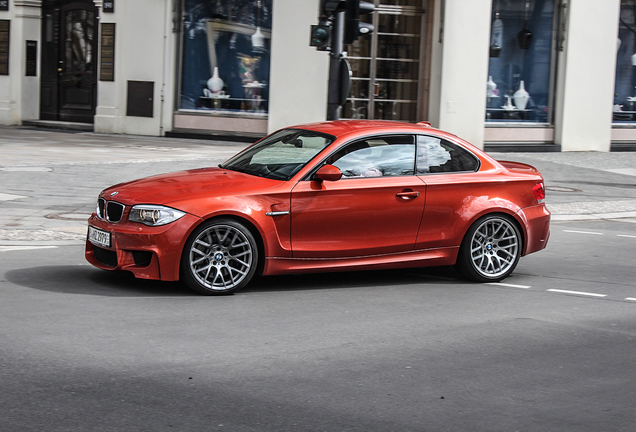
x=419, y=258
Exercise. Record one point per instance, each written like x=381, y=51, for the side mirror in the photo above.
x=328, y=173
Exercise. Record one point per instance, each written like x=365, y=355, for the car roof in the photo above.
x=347, y=127
x=353, y=129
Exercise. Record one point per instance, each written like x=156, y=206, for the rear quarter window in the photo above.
x=435, y=155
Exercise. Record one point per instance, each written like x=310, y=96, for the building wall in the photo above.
x=143, y=52
x=147, y=49
x=585, y=86
x=299, y=73
x=464, y=68
x=19, y=94
x=434, y=98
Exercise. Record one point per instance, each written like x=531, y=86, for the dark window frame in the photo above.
x=367, y=142
x=454, y=148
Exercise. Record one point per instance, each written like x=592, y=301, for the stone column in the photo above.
x=585, y=81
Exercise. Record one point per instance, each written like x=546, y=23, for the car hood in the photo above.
x=183, y=185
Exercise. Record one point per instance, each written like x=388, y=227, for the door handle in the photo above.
x=408, y=194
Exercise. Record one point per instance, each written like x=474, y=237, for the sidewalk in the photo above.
x=49, y=180
x=585, y=185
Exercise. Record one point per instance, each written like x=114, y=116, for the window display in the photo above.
x=624, y=109
x=519, y=86
x=226, y=55
x=385, y=65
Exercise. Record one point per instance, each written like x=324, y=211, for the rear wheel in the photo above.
x=490, y=250
x=220, y=257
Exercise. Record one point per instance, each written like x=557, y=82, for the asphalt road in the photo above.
x=414, y=350
x=550, y=349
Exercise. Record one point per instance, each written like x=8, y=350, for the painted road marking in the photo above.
x=625, y=171
x=598, y=233
x=509, y=285
x=10, y=197
x=581, y=293
x=21, y=248
x=583, y=232
x=577, y=293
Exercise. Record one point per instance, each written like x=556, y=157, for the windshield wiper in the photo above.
x=242, y=170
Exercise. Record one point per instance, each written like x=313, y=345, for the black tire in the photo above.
x=490, y=249
x=219, y=258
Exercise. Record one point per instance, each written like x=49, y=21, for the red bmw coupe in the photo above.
x=324, y=197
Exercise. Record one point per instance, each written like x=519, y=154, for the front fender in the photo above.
x=273, y=229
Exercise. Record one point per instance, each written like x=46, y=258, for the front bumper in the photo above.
x=147, y=252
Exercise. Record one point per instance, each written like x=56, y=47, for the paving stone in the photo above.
x=49, y=180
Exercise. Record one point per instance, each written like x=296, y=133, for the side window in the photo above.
x=381, y=156
x=435, y=155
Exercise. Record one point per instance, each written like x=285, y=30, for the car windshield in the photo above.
x=280, y=155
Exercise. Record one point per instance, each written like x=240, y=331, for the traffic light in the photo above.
x=321, y=37
x=329, y=7
x=353, y=27
x=339, y=24
x=347, y=14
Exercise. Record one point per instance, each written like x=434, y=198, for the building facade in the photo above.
x=553, y=75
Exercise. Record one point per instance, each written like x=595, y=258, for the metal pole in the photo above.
x=333, y=95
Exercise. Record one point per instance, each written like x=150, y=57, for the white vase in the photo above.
x=521, y=97
x=491, y=86
x=497, y=33
x=215, y=84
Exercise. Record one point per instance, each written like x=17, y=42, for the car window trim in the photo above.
x=454, y=143
x=309, y=176
x=329, y=137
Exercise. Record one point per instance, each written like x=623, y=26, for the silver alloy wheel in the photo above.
x=494, y=247
x=221, y=257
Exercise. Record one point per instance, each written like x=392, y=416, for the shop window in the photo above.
x=624, y=109
x=226, y=56
x=386, y=81
x=522, y=58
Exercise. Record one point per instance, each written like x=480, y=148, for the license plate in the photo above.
x=98, y=237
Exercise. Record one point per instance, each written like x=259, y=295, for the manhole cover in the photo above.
x=68, y=216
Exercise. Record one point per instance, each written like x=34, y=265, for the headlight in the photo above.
x=154, y=215
x=99, y=208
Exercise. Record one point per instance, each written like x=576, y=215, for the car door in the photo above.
x=452, y=184
x=375, y=208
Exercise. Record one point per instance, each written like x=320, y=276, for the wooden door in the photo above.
x=69, y=61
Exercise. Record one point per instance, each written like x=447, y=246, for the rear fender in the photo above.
x=443, y=227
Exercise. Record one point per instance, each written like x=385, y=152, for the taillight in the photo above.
x=539, y=192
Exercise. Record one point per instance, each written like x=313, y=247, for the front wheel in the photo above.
x=220, y=257
x=490, y=250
